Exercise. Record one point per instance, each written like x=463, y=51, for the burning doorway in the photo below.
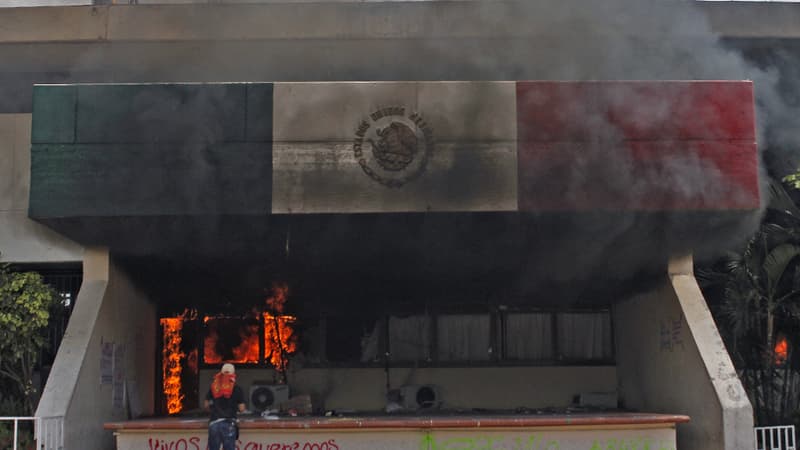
x=265, y=337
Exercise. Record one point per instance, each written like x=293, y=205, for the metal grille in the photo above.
x=48, y=432
x=66, y=283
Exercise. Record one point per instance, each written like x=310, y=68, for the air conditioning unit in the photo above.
x=420, y=396
x=267, y=396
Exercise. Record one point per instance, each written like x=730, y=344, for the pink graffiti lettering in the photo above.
x=254, y=445
x=180, y=444
x=193, y=443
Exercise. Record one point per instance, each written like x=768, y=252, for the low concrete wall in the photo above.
x=461, y=388
x=671, y=358
x=22, y=240
x=427, y=437
x=86, y=382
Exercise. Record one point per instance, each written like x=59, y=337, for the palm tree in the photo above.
x=755, y=298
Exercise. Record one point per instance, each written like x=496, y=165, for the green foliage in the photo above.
x=10, y=405
x=25, y=304
x=793, y=180
x=25, y=439
x=755, y=298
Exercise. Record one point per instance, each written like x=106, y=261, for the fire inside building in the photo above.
x=444, y=262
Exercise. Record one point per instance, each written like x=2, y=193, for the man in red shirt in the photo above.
x=224, y=400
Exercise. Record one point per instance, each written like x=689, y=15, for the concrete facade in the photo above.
x=670, y=357
x=363, y=389
x=21, y=239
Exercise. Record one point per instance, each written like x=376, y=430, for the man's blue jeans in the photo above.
x=222, y=433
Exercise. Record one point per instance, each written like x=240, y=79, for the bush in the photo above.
x=25, y=439
x=25, y=303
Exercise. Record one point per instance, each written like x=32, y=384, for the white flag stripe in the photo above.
x=457, y=110
x=331, y=112
x=325, y=178
x=357, y=147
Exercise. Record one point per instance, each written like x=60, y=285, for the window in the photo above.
x=348, y=339
x=500, y=337
x=410, y=338
x=255, y=339
x=229, y=339
x=528, y=337
x=463, y=338
x=584, y=336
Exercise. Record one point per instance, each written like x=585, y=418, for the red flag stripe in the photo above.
x=636, y=145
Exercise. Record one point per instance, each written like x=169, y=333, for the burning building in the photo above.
x=499, y=264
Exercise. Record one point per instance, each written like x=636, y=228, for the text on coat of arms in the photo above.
x=393, y=147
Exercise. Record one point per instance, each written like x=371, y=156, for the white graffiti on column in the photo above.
x=671, y=334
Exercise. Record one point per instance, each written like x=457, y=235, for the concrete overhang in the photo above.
x=311, y=41
x=518, y=175
x=360, y=20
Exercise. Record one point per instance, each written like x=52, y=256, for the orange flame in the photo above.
x=279, y=337
x=210, y=355
x=781, y=350
x=171, y=367
x=280, y=293
x=171, y=359
x=245, y=352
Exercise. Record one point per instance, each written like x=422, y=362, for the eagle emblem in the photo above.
x=393, y=147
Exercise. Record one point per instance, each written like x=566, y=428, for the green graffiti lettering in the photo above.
x=490, y=443
x=458, y=444
x=534, y=441
x=427, y=442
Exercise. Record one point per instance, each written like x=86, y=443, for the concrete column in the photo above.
x=671, y=359
x=89, y=386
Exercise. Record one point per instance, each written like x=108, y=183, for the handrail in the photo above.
x=16, y=420
x=48, y=432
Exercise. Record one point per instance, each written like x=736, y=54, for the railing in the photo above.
x=48, y=432
x=775, y=438
x=16, y=421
